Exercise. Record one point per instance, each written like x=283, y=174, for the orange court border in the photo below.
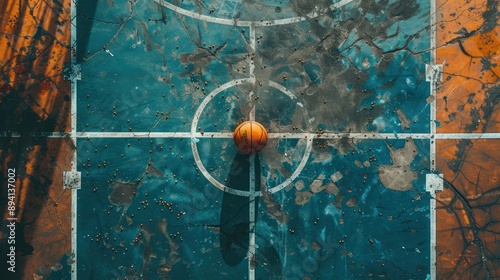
x=468, y=224
x=35, y=43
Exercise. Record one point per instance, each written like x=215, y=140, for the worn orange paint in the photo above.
x=47, y=215
x=469, y=52
x=470, y=55
x=474, y=172
x=19, y=24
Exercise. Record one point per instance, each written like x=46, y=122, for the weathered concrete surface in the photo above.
x=34, y=98
x=468, y=101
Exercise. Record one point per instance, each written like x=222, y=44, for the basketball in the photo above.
x=250, y=137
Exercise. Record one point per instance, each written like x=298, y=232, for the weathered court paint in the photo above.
x=359, y=118
x=468, y=102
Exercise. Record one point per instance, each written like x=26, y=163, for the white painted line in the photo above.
x=297, y=171
x=433, y=31
x=253, y=45
x=210, y=96
x=224, y=188
x=339, y=4
x=275, y=22
x=440, y=136
x=194, y=135
x=251, y=114
x=74, y=196
x=328, y=135
x=74, y=217
x=16, y=134
x=146, y=135
x=232, y=22
x=252, y=259
x=236, y=22
x=474, y=136
x=251, y=67
x=432, y=152
x=289, y=135
x=432, y=214
x=432, y=145
x=206, y=18
x=251, y=221
x=210, y=178
x=282, y=89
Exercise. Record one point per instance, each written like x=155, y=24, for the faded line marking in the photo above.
x=432, y=146
x=289, y=135
x=251, y=221
x=235, y=22
x=74, y=196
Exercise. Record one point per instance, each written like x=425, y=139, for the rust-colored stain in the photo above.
x=468, y=215
x=468, y=46
x=34, y=98
x=468, y=219
x=44, y=207
x=35, y=46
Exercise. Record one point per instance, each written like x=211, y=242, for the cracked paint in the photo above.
x=344, y=90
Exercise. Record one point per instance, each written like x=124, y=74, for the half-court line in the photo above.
x=284, y=135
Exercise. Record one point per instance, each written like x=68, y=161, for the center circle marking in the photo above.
x=196, y=154
x=236, y=22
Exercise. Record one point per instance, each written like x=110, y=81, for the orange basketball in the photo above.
x=250, y=137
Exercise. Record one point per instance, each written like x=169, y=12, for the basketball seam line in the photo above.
x=251, y=138
x=241, y=141
x=261, y=135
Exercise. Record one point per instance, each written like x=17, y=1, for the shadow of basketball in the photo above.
x=234, y=217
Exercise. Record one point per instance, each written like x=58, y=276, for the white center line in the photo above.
x=289, y=135
x=432, y=152
x=74, y=196
x=251, y=222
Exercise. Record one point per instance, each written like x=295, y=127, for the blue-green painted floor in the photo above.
x=356, y=210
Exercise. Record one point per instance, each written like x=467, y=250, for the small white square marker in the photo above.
x=434, y=182
x=72, y=179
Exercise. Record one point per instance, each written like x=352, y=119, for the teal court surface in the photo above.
x=343, y=188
